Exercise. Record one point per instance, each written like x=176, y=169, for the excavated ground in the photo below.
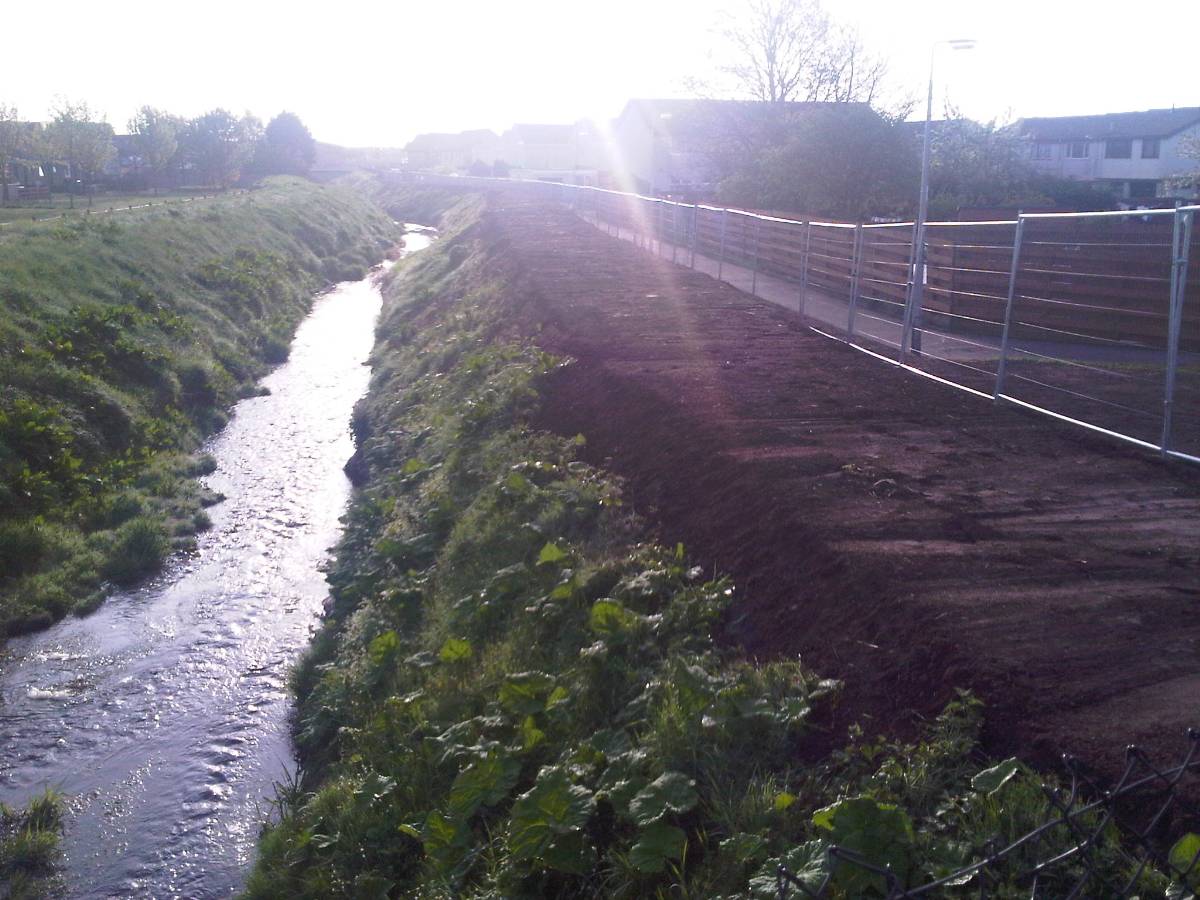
x=896, y=533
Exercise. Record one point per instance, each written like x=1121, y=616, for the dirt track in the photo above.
x=896, y=533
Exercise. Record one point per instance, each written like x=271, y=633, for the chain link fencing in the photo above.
x=1091, y=318
x=1061, y=858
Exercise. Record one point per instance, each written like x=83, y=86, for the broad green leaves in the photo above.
x=455, y=650
x=1184, y=859
x=483, y=783
x=809, y=864
x=669, y=793
x=546, y=820
x=880, y=833
x=550, y=555
x=525, y=693
x=991, y=780
x=656, y=844
x=609, y=617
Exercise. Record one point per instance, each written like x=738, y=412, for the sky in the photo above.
x=363, y=73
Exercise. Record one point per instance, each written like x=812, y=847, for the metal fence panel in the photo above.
x=1093, y=318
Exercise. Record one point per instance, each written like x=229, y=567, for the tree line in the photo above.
x=216, y=149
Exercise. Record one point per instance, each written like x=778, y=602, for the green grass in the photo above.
x=517, y=695
x=124, y=341
x=29, y=852
x=60, y=205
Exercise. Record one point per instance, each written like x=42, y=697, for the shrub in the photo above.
x=139, y=548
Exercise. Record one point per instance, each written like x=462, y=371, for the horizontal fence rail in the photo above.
x=1091, y=318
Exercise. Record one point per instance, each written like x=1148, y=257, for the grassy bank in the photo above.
x=517, y=695
x=125, y=340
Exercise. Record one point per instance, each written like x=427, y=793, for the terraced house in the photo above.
x=1140, y=155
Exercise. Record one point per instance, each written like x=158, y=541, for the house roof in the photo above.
x=531, y=133
x=459, y=141
x=1146, y=123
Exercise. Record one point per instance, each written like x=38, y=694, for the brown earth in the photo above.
x=898, y=534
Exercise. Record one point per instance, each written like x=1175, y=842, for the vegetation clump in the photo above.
x=29, y=850
x=515, y=694
x=124, y=343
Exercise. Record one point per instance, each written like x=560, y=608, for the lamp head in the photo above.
x=962, y=44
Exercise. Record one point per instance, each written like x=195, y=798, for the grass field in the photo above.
x=60, y=205
x=124, y=340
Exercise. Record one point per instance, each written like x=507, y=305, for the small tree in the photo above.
x=13, y=144
x=986, y=164
x=845, y=162
x=287, y=147
x=1189, y=149
x=83, y=142
x=219, y=145
x=156, y=136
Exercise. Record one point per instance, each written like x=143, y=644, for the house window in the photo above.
x=1077, y=150
x=1043, y=150
x=1149, y=148
x=1118, y=148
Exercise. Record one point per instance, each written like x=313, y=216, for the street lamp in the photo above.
x=918, y=273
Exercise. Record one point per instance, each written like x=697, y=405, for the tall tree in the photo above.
x=157, y=138
x=287, y=147
x=791, y=50
x=82, y=140
x=12, y=139
x=219, y=146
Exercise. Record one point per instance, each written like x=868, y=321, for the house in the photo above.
x=1133, y=153
x=29, y=173
x=675, y=147
x=452, y=152
x=564, y=153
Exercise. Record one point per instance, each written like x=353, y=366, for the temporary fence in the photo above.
x=1092, y=318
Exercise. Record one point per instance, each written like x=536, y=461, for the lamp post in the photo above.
x=916, y=296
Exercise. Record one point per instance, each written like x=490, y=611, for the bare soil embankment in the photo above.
x=896, y=533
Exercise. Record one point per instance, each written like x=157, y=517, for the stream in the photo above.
x=163, y=716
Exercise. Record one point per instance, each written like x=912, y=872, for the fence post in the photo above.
x=916, y=288
x=1002, y=363
x=855, y=277
x=754, y=258
x=658, y=229
x=721, y=252
x=1180, y=242
x=804, y=268
x=692, y=237
x=674, y=231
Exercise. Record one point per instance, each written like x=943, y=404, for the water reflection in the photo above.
x=164, y=714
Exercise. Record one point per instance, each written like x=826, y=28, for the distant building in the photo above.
x=452, y=152
x=562, y=153
x=1133, y=153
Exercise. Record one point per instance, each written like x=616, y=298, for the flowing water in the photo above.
x=164, y=715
